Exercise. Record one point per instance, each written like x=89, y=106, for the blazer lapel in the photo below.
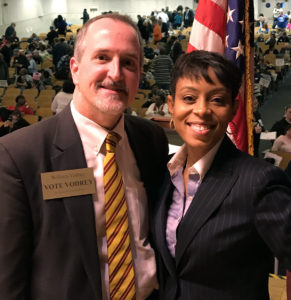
x=69, y=154
x=161, y=222
x=211, y=193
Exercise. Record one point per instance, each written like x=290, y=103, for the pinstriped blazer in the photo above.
x=239, y=218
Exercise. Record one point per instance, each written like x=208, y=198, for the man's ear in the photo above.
x=74, y=67
x=170, y=104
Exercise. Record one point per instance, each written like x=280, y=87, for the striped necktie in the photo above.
x=121, y=272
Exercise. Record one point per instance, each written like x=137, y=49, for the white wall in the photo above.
x=37, y=15
x=268, y=12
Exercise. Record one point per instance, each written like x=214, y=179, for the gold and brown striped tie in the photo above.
x=121, y=272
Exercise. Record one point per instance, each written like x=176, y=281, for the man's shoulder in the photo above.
x=140, y=124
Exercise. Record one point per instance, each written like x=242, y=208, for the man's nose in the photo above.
x=115, y=70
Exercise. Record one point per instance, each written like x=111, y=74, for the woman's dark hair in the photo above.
x=68, y=86
x=196, y=64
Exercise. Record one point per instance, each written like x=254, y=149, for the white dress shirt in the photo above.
x=93, y=140
x=181, y=202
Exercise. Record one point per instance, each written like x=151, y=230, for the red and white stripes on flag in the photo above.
x=209, y=27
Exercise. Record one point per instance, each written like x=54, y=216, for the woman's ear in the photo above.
x=170, y=104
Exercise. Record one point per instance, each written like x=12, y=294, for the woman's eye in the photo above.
x=218, y=100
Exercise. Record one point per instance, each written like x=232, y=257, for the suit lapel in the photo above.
x=69, y=154
x=211, y=193
x=161, y=222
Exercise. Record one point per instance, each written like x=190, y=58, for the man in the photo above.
x=188, y=17
x=55, y=247
x=281, y=125
x=20, y=60
x=59, y=49
x=86, y=16
x=10, y=31
x=161, y=69
x=51, y=36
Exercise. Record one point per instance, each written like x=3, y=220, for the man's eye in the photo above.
x=130, y=64
x=101, y=57
x=189, y=98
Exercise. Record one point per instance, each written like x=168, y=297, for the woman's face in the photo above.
x=201, y=111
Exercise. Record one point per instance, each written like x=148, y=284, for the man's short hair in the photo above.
x=287, y=107
x=79, y=49
x=196, y=64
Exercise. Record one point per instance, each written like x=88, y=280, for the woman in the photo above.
x=283, y=142
x=221, y=212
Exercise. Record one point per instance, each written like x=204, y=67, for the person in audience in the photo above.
x=161, y=69
x=60, y=49
x=260, y=38
x=63, y=66
x=222, y=214
x=61, y=25
x=33, y=38
x=20, y=60
x=282, y=21
x=6, y=50
x=276, y=13
x=56, y=247
x=64, y=97
x=86, y=16
x=43, y=53
x=288, y=28
x=36, y=56
x=23, y=80
x=157, y=31
x=10, y=32
x=281, y=125
x=46, y=78
x=37, y=82
x=283, y=38
x=177, y=20
x=271, y=41
x=14, y=122
x=158, y=107
x=283, y=142
x=4, y=74
x=32, y=67
x=188, y=17
x=258, y=127
x=264, y=29
x=51, y=35
x=21, y=105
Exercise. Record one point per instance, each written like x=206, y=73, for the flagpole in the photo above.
x=248, y=78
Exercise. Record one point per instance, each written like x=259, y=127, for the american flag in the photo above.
x=225, y=26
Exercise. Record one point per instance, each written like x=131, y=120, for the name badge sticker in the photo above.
x=68, y=183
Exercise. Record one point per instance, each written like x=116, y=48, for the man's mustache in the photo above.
x=112, y=85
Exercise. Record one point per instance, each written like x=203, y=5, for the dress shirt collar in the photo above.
x=201, y=166
x=92, y=134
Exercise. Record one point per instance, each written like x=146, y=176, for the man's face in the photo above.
x=108, y=73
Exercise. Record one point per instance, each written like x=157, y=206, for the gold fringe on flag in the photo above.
x=248, y=78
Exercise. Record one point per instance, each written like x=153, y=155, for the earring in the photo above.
x=232, y=127
x=172, y=124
